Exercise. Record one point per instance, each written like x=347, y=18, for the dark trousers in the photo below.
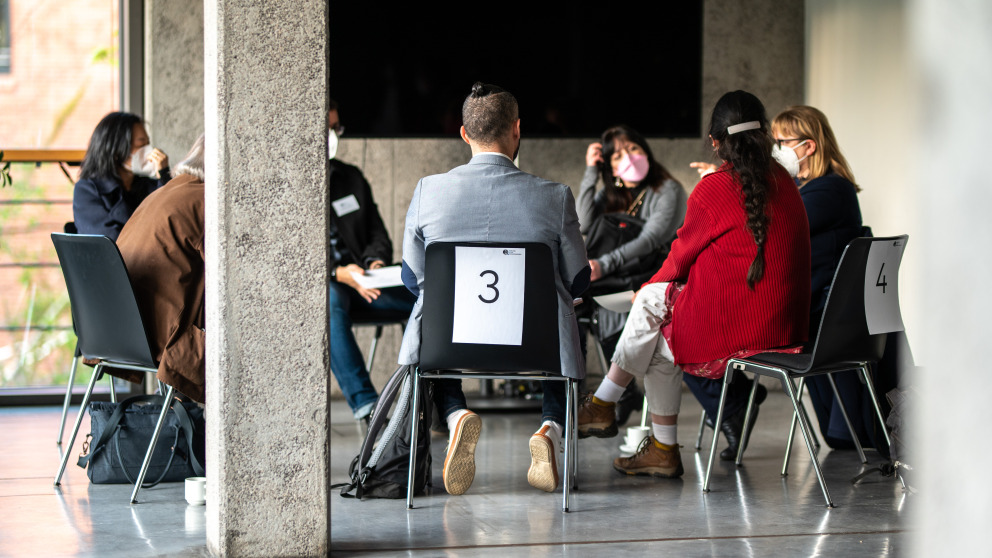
x=449, y=397
x=707, y=392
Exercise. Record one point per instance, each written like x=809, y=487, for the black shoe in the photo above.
x=631, y=400
x=733, y=426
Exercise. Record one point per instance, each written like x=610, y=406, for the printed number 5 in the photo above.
x=491, y=286
x=880, y=282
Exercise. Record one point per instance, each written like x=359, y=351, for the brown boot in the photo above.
x=652, y=460
x=596, y=419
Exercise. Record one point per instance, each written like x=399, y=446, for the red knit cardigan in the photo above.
x=716, y=315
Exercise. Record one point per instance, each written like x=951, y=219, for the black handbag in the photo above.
x=611, y=231
x=122, y=432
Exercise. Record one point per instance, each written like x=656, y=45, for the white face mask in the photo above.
x=140, y=165
x=786, y=156
x=332, y=144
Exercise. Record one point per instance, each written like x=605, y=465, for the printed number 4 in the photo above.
x=491, y=286
x=880, y=282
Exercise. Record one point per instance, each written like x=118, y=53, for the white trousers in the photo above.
x=644, y=353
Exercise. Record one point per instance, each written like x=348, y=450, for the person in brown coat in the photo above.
x=162, y=247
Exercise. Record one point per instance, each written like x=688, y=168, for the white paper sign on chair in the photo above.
x=882, y=287
x=489, y=296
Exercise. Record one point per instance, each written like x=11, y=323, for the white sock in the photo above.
x=666, y=433
x=554, y=432
x=452, y=419
x=609, y=391
x=554, y=426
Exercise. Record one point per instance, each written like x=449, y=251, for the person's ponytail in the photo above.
x=749, y=152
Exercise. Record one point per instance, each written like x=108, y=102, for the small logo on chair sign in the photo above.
x=508, y=252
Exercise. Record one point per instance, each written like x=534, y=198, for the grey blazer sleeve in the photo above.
x=663, y=209
x=588, y=199
x=573, y=265
x=413, y=245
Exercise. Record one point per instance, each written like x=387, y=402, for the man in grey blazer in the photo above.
x=491, y=200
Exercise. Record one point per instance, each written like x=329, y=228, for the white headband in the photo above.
x=752, y=125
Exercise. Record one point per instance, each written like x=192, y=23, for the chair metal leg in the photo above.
x=569, y=446
x=792, y=431
x=166, y=405
x=847, y=419
x=414, y=424
x=603, y=363
x=878, y=410
x=375, y=341
x=746, y=430
x=702, y=426
x=113, y=390
x=719, y=420
x=574, y=433
x=645, y=411
x=79, y=419
x=68, y=395
x=805, y=428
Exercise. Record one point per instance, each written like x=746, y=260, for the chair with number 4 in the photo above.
x=861, y=309
x=491, y=312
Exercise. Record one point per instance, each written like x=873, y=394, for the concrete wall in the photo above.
x=950, y=52
x=174, y=74
x=859, y=74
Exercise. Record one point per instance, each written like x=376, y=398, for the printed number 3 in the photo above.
x=491, y=286
x=881, y=282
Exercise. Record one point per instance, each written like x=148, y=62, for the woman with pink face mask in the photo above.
x=637, y=184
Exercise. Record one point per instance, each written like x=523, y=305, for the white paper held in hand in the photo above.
x=489, y=295
x=616, y=302
x=381, y=278
x=882, y=287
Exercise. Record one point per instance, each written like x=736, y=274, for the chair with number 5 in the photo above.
x=491, y=312
x=861, y=309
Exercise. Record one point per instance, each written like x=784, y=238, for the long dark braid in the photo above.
x=750, y=154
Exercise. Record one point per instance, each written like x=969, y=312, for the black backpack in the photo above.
x=380, y=468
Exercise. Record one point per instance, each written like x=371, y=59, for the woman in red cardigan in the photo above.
x=735, y=283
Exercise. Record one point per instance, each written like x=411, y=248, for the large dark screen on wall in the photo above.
x=403, y=69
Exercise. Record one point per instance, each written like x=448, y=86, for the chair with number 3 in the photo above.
x=861, y=309
x=491, y=312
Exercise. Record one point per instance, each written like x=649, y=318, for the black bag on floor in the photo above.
x=380, y=468
x=121, y=433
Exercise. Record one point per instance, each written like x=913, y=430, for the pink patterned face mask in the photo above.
x=633, y=167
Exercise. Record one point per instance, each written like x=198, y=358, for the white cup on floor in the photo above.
x=636, y=435
x=196, y=490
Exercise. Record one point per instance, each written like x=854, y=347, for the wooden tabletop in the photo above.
x=43, y=155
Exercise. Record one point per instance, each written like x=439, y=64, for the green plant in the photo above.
x=5, y=179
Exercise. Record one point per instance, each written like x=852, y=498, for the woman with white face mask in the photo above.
x=119, y=171
x=637, y=184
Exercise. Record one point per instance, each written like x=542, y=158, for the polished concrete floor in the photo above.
x=751, y=511
x=79, y=518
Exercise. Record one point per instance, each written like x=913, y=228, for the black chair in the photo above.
x=70, y=228
x=537, y=356
x=861, y=309
x=108, y=324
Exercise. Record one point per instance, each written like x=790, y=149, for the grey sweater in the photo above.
x=663, y=211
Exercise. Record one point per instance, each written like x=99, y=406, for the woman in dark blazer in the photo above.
x=805, y=145
x=119, y=171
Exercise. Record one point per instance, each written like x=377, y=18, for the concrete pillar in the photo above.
x=266, y=216
x=173, y=83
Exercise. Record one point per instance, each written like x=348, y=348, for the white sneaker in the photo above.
x=543, y=471
x=459, y=464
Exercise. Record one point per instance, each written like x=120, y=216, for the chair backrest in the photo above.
x=863, y=303
x=104, y=310
x=490, y=307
